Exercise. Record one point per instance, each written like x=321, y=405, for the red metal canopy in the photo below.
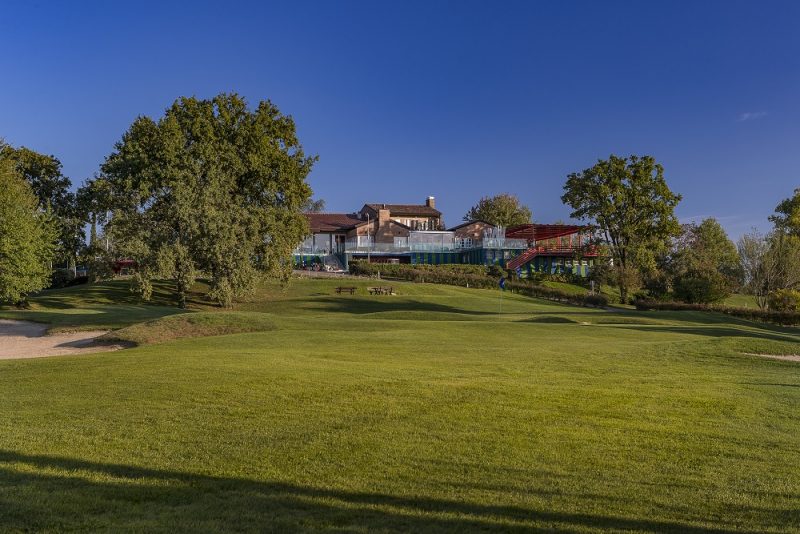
x=541, y=232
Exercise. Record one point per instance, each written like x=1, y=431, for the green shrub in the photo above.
x=784, y=300
x=61, y=278
x=701, y=287
x=470, y=276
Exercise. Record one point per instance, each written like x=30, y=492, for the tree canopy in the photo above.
x=704, y=263
x=27, y=237
x=629, y=201
x=787, y=215
x=44, y=175
x=504, y=210
x=210, y=187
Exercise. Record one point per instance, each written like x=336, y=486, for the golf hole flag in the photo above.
x=503, y=283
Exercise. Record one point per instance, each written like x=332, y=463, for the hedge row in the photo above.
x=788, y=318
x=470, y=276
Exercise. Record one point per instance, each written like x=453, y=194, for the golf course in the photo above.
x=438, y=408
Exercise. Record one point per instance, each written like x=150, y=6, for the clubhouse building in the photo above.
x=411, y=233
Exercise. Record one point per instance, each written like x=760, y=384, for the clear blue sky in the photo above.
x=458, y=100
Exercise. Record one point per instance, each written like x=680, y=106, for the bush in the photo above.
x=752, y=314
x=701, y=287
x=78, y=281
x=470, y=276
x=784, y=300
x=61, y=278
x=495, y=271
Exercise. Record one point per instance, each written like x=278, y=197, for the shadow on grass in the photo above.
x=52, y=493
x=361, y=306
x=714, y=331
x=116, y=292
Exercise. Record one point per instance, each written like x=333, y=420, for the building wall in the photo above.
x=472, y=230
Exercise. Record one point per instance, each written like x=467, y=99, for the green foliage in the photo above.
x=769, y=263
x=628, y=199
x=60, y=278
x=701, y=286
x=783, y=300
x=142, y=285
x=51, y=188
x=504, y=210
x=703, y=264
x=495, y=271
x=787, y=215
x=93, y=204
x=787, y=317
x=211, y=187
x=468, y=276
x=27, y=236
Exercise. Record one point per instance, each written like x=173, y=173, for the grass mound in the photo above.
x=553, y=319
x=201, y=324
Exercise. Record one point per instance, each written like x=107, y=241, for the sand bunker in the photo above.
x=786, y=357
x=21, y=339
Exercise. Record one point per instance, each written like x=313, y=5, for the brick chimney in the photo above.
x=383, y=216
x=431, y=202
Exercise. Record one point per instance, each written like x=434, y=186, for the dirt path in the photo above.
x=21, y=339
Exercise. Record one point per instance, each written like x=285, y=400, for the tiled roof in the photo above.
x=331, y=222
x=407, y=209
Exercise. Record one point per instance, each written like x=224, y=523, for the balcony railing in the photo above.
x=364, y=247
x=502, y=242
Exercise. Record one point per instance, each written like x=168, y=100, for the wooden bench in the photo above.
x=340, y=290
x=381, y=291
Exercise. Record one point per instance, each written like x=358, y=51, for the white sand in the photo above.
x=21, y=339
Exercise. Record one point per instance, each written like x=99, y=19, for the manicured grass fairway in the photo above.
x=429, y=410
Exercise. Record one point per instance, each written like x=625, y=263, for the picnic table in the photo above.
x=341, y=289
x=381, y=291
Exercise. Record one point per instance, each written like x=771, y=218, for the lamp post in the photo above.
x=368, y=241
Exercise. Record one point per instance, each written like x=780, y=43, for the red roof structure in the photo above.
x=541, y=232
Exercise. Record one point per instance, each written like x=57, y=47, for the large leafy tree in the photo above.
x=27, y=237
x=630, y=203
x=211, y=187
x=52, y=189
x=504, y=209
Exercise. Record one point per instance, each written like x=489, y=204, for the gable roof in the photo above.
x=332, y=222
x=406, y=209
x=462, y=225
